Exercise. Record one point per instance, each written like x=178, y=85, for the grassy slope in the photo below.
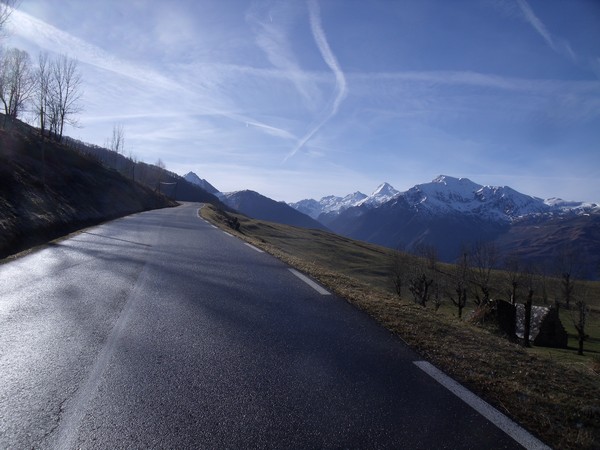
x=48, y=190
x=555, y=397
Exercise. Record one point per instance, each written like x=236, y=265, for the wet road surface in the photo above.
x=160, y=331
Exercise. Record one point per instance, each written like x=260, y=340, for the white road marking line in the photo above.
x=215, y=227
x=228, y=234
x=253, y=247
x=519, y=434
x=310, y=282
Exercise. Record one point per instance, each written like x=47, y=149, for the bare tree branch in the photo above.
x=16, y=81
x=6, y=9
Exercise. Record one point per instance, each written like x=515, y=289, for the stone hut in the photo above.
x=546, y=328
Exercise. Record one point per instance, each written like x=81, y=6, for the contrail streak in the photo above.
x=560, y=46
x=341, y=88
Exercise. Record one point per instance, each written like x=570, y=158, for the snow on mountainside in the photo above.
x=497, y=203
x=195, y=179
x=447, y=195
x=564, y=205
x=329, y=204
x=384, y=192
x=332, y=205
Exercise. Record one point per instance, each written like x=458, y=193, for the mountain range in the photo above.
x=446, y=195
x=448, y=214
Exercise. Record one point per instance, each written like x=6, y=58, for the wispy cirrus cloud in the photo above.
x=341, y=86
x=50, y=38
x=272, y=36
x=197, y=89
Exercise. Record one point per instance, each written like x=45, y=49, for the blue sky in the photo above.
x=303, y=99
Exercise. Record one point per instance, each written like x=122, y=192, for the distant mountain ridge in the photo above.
x=447, y=194
x=449, y=213
x=258, y=206
x=332, y=204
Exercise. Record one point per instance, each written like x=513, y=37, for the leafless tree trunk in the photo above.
x=42, y=98
x=422, y=278
x=67, y=92
x=579, y=317
x=118, y=138
x=419, y=287
x=567, y=287
x=513, y=275
x=569, y=267
x=527, y=325
x=461, y=283
x=401, y=271
x=485, y=259
x=117, y=142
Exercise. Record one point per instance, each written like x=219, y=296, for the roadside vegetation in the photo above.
x=555, y=393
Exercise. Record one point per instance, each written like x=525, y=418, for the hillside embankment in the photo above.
x=48, y=190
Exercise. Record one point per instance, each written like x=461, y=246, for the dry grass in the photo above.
x=558, y=400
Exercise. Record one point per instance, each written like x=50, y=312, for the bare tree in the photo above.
x=485, y=258
x=43, y=91
x=419, y=286
x=401, y=271
x=579, y=317
x=117, y=142
x=567, y=285
x=569, y=267
x=513, y=271
x=421, y=280
x=66, y=94
x=461, y=277
x=118, y=138
x=531, y=282
x=16, y=81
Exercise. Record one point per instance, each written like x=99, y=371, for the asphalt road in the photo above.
x=160, y=331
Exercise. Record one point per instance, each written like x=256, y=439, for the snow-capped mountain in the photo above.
x=449, y=213
x=195, y=179
x=446, y=195
x=330, y=206
x=558, y=204
x=384, y=192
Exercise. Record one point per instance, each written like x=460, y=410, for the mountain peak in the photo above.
x=453, y=181
x=191, y=177
x=384, y=189
x=382, y=194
